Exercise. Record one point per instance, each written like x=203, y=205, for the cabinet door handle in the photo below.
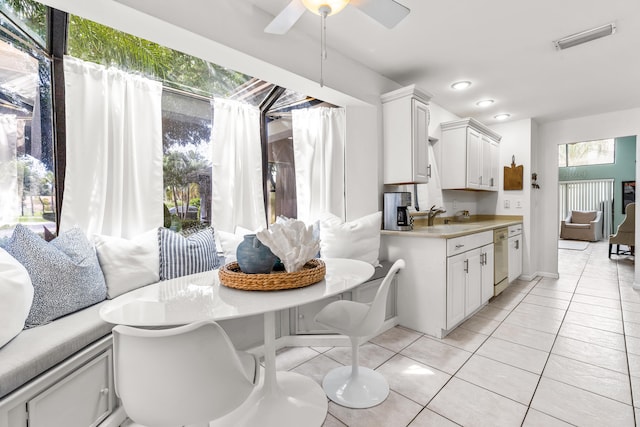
x=466, y=265
x=517, y=244
x=458, y=246
x=429, y=171
x=492, y=182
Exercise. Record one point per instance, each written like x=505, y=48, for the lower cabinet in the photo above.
x=469, y=280
x=84, y=398
x=302, y=316
x=515, y=253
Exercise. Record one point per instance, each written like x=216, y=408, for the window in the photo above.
x=587, y=153
x=27, y=184
x=189, y=85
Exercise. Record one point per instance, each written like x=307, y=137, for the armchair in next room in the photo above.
x=582, y=225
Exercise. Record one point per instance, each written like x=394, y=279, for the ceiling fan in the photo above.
x=387, y=12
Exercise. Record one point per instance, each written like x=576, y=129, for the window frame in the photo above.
x=567, y=157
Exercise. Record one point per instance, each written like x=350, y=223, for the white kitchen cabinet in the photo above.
x=405, y=118
x=469, y=278
x=486, y=262
x=470, y=156
x=434, y=293
x=515, y=252
x=456, y=288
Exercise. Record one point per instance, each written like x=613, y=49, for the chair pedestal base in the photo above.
x=294, y=401
x=368, y=389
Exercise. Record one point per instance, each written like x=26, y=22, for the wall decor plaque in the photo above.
x=513, y=175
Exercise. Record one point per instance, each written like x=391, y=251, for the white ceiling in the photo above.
x=505, y=47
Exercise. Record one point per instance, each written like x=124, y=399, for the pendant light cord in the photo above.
x=324, y=10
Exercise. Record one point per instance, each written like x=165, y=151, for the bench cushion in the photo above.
x=36, y=350
x=382, y=270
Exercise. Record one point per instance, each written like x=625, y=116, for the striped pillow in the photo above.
x=180, y=256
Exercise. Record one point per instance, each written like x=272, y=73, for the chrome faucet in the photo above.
x=432, y=214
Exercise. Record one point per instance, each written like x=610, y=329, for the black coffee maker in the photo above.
x=396, y=211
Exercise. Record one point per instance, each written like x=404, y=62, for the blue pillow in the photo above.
x=65, y=273
x=181, y=256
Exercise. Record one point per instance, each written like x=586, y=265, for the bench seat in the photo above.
x=36, y=350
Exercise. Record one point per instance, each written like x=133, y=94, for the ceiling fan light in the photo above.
x=585, y=36
x=335, y=6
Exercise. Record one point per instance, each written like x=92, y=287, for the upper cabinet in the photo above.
x=470, y=156
x=406, y=136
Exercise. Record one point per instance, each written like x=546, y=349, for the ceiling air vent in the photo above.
x=585, y=36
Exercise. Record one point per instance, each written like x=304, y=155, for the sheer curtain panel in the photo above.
x=9, y=197
x=236, y=175
x=318, y=148
x=113, y=182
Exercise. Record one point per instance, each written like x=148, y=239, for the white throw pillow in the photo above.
x=229, y=242
x=128, y=264
x=358, y=239
x=16, y=296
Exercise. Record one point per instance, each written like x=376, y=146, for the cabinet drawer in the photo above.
x=461, y=244
x=514, y=230
x=82, y=399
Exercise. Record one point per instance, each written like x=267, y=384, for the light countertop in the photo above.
x=457, y=229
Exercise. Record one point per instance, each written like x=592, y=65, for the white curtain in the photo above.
x=9, y=197
x=236, y=175
x=113, y=182
x=318, y=148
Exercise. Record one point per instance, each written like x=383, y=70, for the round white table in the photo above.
x=282, y=398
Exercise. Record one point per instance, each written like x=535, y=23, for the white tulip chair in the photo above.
x=184, y=375
x=356, y=386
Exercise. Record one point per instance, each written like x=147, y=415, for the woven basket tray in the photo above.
x=232, y=277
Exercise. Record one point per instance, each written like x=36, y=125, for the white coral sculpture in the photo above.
x=292, y=241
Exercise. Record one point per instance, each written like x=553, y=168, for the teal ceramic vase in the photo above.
x=254, y=257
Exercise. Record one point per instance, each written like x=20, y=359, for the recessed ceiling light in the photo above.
x=502, y=116
x=485, y=102
x=461, y=85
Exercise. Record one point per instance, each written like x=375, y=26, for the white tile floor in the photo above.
x=543, y=353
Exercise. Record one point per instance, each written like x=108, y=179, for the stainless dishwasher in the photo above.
x=500, y=259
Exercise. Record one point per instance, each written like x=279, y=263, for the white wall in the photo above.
x=608, y=125
x=515, y=143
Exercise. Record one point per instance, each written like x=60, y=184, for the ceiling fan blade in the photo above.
x=286, y=19
x=387, y=12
